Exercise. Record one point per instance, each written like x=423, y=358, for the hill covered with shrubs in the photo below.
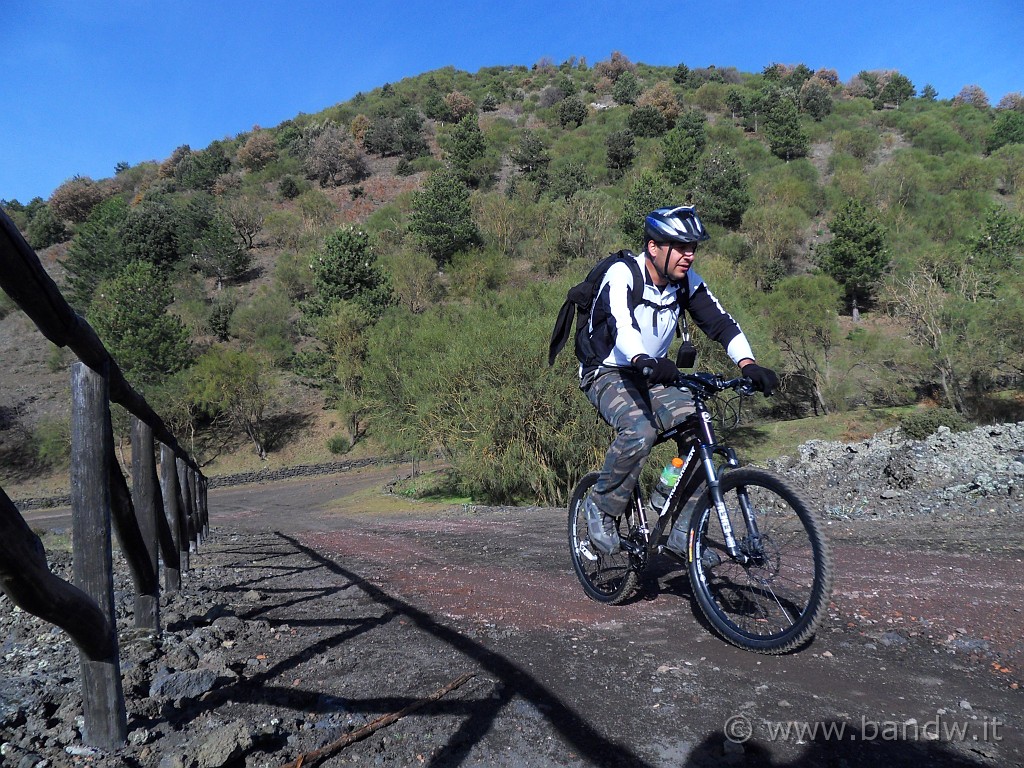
x=400, y=257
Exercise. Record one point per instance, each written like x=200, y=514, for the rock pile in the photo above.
x=178, y=713
x=888, y=474
x=200, y=652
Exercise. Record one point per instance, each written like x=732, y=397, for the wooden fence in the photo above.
x=164, y=514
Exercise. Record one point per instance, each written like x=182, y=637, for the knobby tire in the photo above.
x=610, y=579
x=774, y=603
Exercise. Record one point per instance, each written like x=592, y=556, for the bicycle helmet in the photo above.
x=674, y=225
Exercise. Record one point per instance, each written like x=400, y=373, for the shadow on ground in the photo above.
x=479, y=714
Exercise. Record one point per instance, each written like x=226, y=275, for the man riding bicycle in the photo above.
x=631, y=339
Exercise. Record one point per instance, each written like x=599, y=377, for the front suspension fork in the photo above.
x=712, y=474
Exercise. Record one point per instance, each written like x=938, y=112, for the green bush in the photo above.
x=473, y=382
x=570, y=178
x=339, y=444
x=477, y=271
x=46, y=230
x=937, y=136
x=860, y=143
x=922, y=423
x=52, y=441
x=265, y=324
x=283, y=229
x=289, y=188
x=293, y=275
x=239, y=387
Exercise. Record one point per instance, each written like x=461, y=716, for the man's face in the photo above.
x=674, y=258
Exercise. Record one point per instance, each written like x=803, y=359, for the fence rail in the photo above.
x=163, y=514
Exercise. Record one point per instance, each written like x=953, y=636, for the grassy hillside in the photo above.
x=383, y=275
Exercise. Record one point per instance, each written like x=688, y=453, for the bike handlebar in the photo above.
x=708, y=384
x=711, y=383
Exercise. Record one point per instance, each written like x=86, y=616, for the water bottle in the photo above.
x=668, y=478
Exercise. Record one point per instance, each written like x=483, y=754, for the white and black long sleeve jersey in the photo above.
x=620, y=331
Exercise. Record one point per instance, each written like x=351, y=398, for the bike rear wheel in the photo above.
x=605, y=578
x=773, y=602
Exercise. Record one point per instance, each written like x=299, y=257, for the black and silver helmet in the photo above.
x=674, y=225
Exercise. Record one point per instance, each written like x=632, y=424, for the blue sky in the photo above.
x=89, y=83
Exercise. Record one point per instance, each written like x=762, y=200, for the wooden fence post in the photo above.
x=134, y=548
x=172, y=504
x=92, y=448
x=169, y=550
x=193, y=486
x=185, y=500
x=204, y=506
x=144, y=494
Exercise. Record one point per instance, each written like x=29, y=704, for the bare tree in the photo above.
x=74, y=199
x=258, y=151
x=662, y=98
x=246, y=216
x=459, y=105
x=973, y=95
x=334, y=158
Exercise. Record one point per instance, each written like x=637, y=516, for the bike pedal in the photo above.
x=663, y=550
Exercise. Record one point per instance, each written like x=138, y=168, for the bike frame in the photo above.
x=697, y=434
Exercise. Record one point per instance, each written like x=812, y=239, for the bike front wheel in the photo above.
x=605, y=578
x=771, y=598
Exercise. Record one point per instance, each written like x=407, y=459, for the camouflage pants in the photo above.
x=638, y=412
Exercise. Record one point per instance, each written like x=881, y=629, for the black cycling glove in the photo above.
x=763, y=379
x=658, y=371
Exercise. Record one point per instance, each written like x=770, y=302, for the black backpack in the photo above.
x=581, y=297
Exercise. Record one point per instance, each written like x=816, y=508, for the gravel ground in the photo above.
x=304, y=620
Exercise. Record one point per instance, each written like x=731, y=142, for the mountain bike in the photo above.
x=758, y=562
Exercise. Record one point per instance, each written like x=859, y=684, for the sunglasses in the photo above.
x=686, y=248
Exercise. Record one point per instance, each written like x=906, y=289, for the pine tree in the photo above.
x=344, y=270
x=721, y=188
x=218, y=253
x=572, y=112
x=857, y=255
x=621, y=153
x=466, y=146
x=649, y=191
x=129, y=313
x=532, y=158
x=442, y=218
x=786, y=136
x=682, y=148
x=96, y=251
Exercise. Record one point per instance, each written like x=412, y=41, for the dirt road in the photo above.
x=919, y=662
